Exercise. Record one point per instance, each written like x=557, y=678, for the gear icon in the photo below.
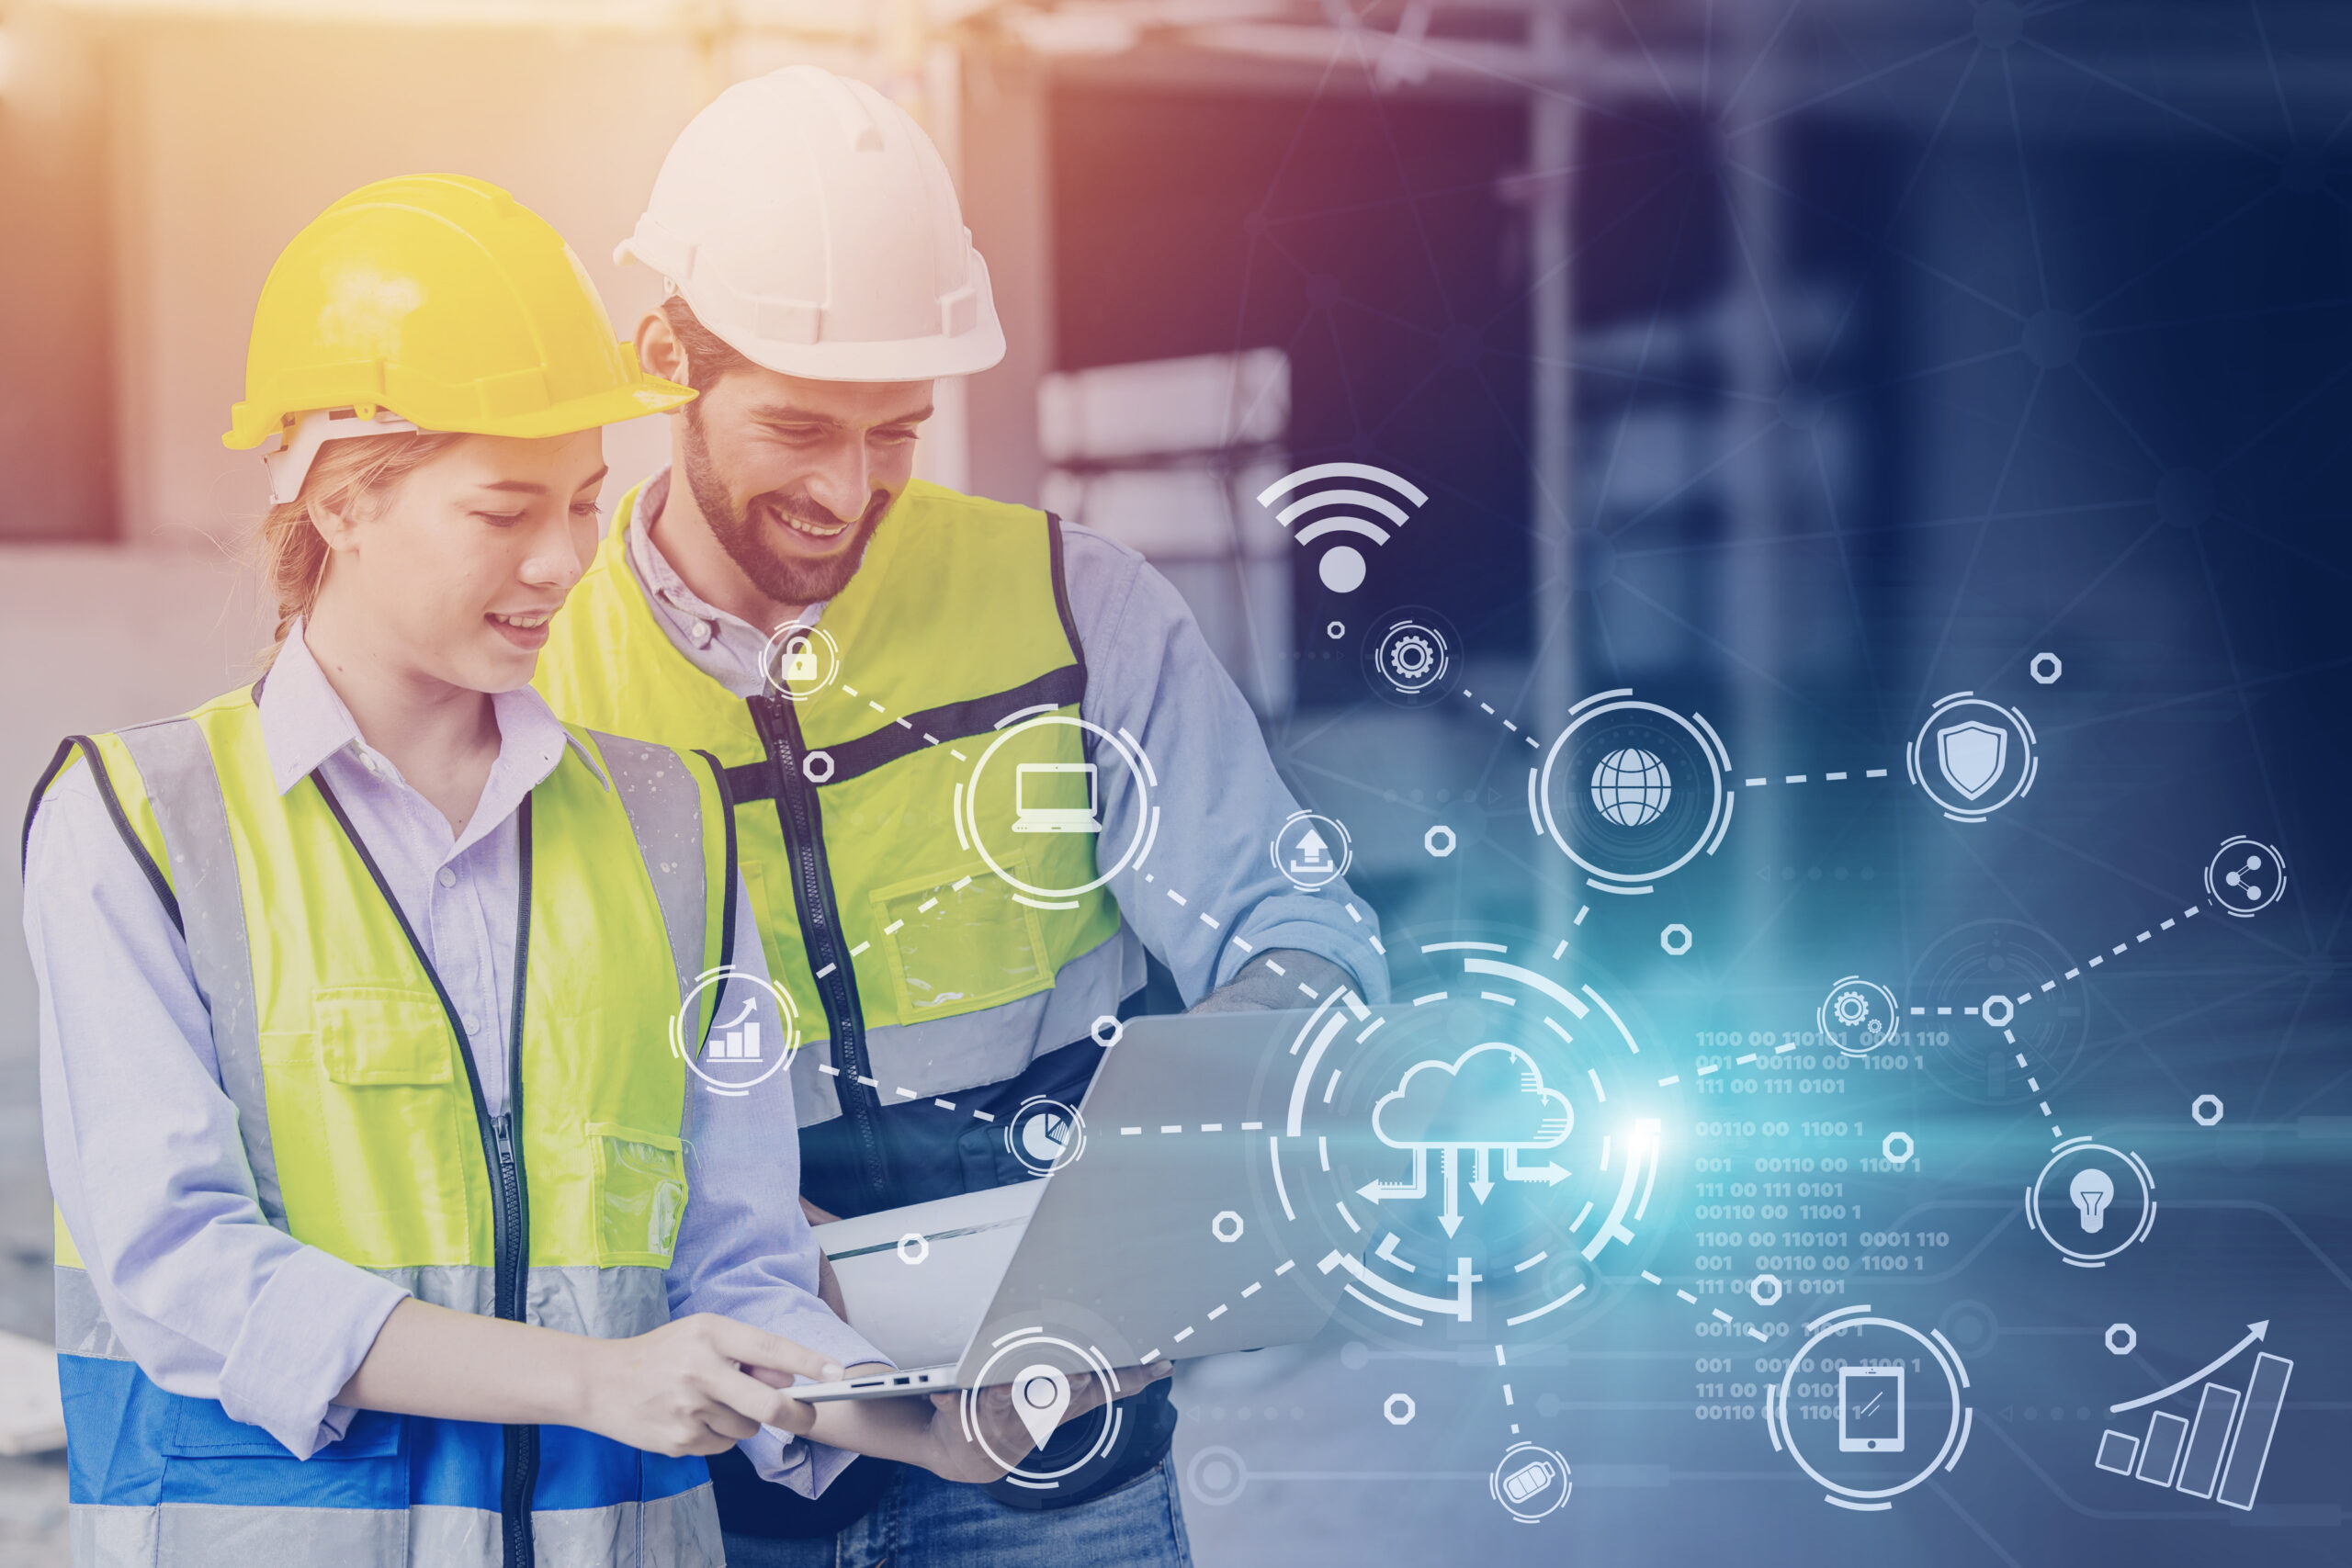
x=1411, y=656
x=1857, y=1015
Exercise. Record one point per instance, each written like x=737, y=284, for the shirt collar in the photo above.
x=304, y=722
x=653, y=568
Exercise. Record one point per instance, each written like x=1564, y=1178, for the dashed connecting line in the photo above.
x=1751, y=1330
x=2007, y=1005
x=1802, y=778
x=1508, y=1402
x=1220, y=1309
x=2118, y=951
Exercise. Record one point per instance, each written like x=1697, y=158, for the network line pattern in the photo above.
x=2031, y=346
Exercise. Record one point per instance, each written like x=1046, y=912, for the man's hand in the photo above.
x=961, y=1458
x=697, y=1386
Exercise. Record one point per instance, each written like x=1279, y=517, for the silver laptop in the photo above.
x=1142, y=1244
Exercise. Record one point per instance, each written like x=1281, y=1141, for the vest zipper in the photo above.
x=802, y=819
x=509, y=1246
x=509, y=1225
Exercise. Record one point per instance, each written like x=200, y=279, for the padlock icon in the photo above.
x=800, y=663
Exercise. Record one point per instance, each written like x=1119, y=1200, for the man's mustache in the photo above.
x=802, y=509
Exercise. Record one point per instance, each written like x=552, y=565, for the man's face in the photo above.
x=795, y=476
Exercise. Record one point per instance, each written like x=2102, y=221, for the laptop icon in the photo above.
x=1046, y=798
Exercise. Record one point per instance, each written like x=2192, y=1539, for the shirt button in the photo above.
x=472, y=1022
x=448, y=878
x=701, y=631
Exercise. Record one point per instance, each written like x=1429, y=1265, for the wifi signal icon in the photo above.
x=1343, y=566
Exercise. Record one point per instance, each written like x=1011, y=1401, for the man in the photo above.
x=981, y=760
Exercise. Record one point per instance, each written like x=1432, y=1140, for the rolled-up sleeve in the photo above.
x=1211, y=880
x=745, y=1250
x=144, y=1157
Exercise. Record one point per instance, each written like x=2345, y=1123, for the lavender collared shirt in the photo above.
x=145, y=1158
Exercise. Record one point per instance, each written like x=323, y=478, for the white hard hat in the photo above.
x=809, y=222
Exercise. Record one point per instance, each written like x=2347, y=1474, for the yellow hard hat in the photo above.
x=444, y=304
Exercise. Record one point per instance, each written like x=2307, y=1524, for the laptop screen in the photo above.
x=1053, y=786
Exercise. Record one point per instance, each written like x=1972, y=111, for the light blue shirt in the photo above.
x=145, y=1158
x=1209, y=895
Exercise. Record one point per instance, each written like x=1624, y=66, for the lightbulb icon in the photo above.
x=2092, y=1189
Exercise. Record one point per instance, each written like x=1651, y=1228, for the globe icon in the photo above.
x=1631, y=787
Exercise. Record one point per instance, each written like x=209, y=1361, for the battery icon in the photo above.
x=1527, y=1481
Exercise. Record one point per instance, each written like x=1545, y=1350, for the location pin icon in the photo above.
x=1040, y=1394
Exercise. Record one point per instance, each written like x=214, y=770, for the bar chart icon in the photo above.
x=2221, y=1451
x=737, y=1044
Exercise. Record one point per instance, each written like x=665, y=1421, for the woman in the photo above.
x=371, y=1159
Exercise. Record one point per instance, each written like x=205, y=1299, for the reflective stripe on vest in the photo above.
x=955, y=621
x=350, y=1093
x=681, y=1531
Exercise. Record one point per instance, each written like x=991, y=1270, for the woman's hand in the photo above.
x=697, y=1386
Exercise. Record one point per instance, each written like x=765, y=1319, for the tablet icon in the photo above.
x=1047, y=798
x=1869, y=1410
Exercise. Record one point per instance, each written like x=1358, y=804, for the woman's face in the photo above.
x=452, y=573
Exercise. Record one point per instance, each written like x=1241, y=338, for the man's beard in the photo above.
x=744, y=533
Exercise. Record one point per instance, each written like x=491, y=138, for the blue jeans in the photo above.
x=924, y=1522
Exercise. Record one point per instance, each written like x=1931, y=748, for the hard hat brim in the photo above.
x=906, y=359
x=840, y=359
x=648, y=394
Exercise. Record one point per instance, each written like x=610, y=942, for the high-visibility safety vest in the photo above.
x=362, y=1116
x=874, y=910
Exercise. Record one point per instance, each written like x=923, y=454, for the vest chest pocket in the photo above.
x=640, y=1194
x=372, y=1035
x=373, y=1127
x=958, y=942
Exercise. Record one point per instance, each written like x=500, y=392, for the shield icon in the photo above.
x=1972, y=756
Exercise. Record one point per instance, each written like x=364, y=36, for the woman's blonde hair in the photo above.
x=345, y=475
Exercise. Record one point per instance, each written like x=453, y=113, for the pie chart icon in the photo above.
x=1046, y=1135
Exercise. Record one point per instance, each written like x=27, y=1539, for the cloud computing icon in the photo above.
x=1490, y=1100
x=1367, y=514
x=1419, y=1157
